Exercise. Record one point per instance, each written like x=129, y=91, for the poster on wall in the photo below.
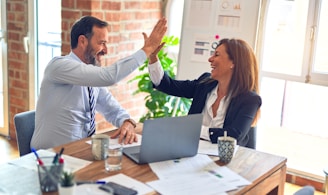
x=205, y=22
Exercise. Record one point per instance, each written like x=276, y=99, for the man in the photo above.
x=75, y=85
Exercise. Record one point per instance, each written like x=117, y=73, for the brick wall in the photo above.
x=127, y=19
x=18, y=75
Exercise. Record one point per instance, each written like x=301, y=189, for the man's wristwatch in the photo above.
x=133, y=123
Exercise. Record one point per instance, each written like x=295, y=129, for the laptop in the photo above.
x=167, y=139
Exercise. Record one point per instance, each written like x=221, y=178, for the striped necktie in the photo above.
x=92, y=112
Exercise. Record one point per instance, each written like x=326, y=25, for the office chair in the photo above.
x=252, y=138
x=24, y=126
x=306, y=190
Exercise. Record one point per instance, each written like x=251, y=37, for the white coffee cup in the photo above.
x=99, y=146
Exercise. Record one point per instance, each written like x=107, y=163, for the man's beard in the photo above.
x=90, y=59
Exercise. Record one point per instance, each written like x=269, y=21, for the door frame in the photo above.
x=4, y=69
x=30, y=44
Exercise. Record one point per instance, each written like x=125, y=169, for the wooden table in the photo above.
x=267, y=172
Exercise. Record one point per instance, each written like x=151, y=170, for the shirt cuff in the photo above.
x=204, y=134
x=156, y=72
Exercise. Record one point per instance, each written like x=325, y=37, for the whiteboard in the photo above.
x=206, y=20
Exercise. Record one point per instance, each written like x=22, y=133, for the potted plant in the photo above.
x=66, y=184
x=160, y=104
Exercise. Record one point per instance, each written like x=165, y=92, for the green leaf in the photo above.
x=160, y=104
x=67, y=179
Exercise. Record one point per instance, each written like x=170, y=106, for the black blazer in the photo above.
x=240, y=112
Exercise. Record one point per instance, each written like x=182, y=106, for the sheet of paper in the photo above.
x=197, y=183
x=87, y=189
x=18, y=180
x=206, y=147
x=178, y=171
x=120, y=178
x=29, y=161
x=226, y=175
x=116, y=144
x=179, y=167
x=74, y=164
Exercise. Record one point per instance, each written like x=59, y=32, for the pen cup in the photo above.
x=49, y=174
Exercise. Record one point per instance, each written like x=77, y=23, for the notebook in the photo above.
x=167, y=139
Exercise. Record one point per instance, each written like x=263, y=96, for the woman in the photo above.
x=227, y=97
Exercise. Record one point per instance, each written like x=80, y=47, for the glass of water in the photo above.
x=113, y=161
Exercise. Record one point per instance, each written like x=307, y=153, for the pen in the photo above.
x=61, y=152
x=90, y=182
x=55, y=159
x=37, y=156
x=61, y=160
x=57, y=156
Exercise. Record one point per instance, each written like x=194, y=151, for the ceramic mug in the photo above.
x=226, y=148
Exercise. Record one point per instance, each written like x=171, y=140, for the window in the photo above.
x=174, y=14
x=294, y=41
x=44, y=40
x=294, y=83
x=48, y=35
x=320, y=57
x=285, y=30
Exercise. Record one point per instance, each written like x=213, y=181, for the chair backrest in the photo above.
x=252, y=138
x=24, y=126
x=306, y=190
